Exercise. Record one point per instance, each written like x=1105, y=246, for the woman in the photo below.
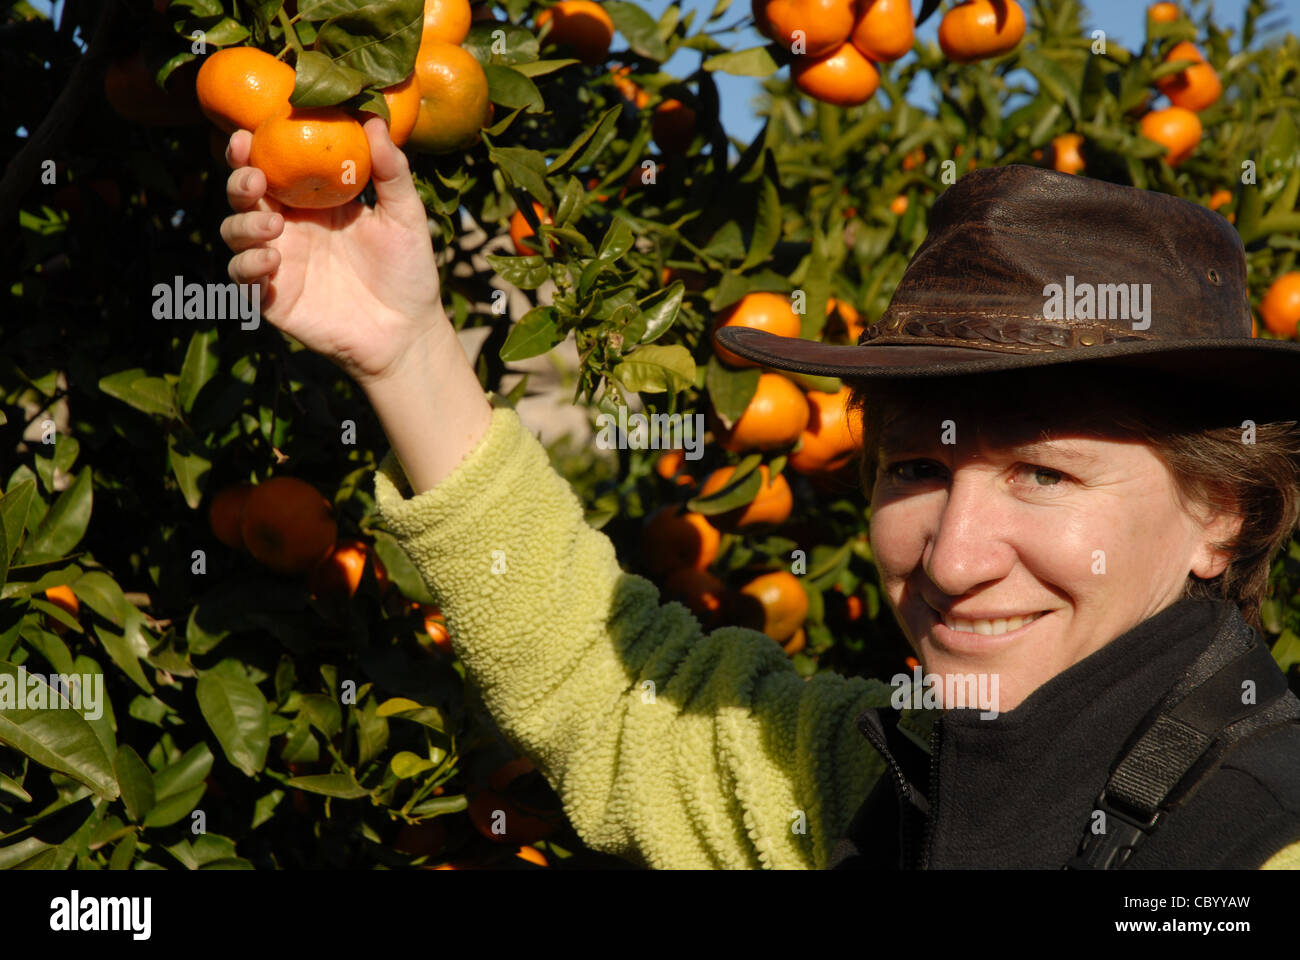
x=673, y=748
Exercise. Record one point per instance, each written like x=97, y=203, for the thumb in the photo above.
x=391, y=175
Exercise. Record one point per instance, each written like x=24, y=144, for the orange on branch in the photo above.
x=885, y=29
x=225, y=514
x=1194, y=88
x=1163, y=12
x=771, y=507
x=629, y=90
x=241, y=87
x=446, y=21
x=581, y=25
x=842, y=322
x=821, y=25
x=287, y=525
x=521, y=229
x=833, y=437
x=673, y=126
x=340, y=573
x=843, y=77
x=1177, y=129
x=403, y=101
x=1280, y=307
x=454, y=101
x=700, y=591
x=774, y=603
x=675, y=537
x=1065, y=151
x=774, y=418
x=979, y=29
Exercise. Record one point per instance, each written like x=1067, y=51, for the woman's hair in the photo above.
x=1214, y=457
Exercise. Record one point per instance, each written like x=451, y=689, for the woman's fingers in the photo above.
x=244, y=230
x=254, y=266
x=395, y=192
x=237, y=149
x=246, y=190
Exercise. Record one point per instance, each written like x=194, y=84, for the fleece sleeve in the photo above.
x=1288, y=858
x=668, y=747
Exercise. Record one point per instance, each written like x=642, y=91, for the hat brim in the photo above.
x=1254, y=366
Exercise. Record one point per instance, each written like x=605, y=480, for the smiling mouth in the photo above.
x=988, y=628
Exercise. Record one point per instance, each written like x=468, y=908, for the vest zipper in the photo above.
x=932, y=796
x=901, y=787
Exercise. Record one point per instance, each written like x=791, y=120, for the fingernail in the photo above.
x=273, y=221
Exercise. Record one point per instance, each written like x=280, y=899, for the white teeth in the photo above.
x=990, y=628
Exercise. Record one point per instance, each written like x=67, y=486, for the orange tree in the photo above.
x=186, y=511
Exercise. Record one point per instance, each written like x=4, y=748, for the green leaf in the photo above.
x=540, y=68
x=237, y=713
x=342, y=785
x=14, y=507
x=66, y=449
x=439, y=806
x=199, y=367
x=65, y=524
x=1052, y=78
x=534, y=334
x=101, y=593
x=136, y=782
x=661, y=310
x=525, y=169
x=512, y=89
x=767, y=221
x=324, y=713
x=323, y=83
x=517, y=44
x=657, y=369
x=730, y=391
x=401, y=571
x=378, y=40
x=638, y=28
x=185, y=773
x=754, y=62
x=59, y=739
x=590, y=144
x=1286, y=651
x=407, y=765
x=14, y=789
x=189, y=467
x=171, y=809
x=128, y=648
x=123, y=853
x=739, y=491
x=152, y=395
x=526, y=273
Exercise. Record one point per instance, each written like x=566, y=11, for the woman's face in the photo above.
x=1084, y=534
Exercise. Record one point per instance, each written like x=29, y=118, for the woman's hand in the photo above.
x=354, y=283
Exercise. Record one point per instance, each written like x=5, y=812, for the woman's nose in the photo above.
x=968, y=544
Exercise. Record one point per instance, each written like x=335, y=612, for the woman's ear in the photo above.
x=1221, y=528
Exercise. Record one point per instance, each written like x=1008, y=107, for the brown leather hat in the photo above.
x=1025, y=267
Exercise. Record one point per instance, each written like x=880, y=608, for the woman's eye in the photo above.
x=1052, y=477
x=908, y=471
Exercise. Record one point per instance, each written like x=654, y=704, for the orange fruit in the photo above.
x=772, y=505
x=1065, y=153
x=884, y=29
x=914, y=159
x=581, y=25
x=761, y=311
x=240, y=87
x=842, y=321
x=1219, y=198
x=670, y=466
x=435, y=627
x=979, y=29
x=776, y=600
x=673, y=127
x=700, y=591
x=339, y=574
x=825, y=24
x=898, y=206
x=454, y=103
x=843, y=77
x=1177, y=129
x=520, y=228
x=830, y=442
x=403, y=101
x=287, y=525
x=1163, y=12
x=133, y=94
x=630, y=91
x=675, y=537
x=1195, y=88
x=1280, y=307
x=446, y=21
x=532, y=855
x=314, y=158
x=795, y=643
x=775, y=417
x=528, y=814
x=64, y=599
x=225, y=512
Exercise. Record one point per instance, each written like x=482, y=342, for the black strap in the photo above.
x=1233, y=690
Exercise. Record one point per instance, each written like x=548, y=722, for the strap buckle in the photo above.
x=1113, y=847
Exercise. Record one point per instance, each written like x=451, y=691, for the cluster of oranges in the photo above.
x=1178, y=127
x=837, y=43
x=679, y=545
x=318, y=157
x=286, y=525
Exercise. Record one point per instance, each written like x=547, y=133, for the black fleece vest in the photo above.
x=1017, y=791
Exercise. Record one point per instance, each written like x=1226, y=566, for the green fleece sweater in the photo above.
x=669, y=747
